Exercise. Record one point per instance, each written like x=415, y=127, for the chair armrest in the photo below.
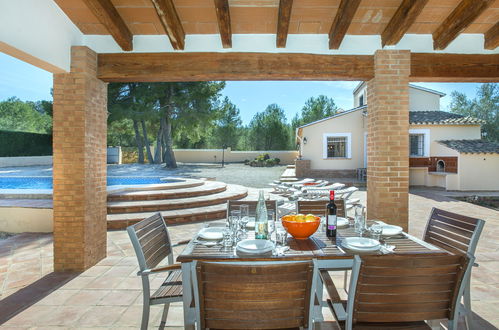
x=184, y=242
x=167, y=268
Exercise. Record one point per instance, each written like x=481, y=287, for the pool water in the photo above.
x=46, y=182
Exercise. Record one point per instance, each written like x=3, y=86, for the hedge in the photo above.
x=14, y=144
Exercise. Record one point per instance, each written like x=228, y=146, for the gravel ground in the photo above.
x=256, y=177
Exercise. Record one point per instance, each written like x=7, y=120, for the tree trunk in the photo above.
x=158, y=152
x=146, y=142
x=169, y=155
x=138, y=140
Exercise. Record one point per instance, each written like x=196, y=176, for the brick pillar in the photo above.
x=388, y=138
x=79, y=135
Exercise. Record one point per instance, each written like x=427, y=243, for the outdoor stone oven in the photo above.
x=440, y=165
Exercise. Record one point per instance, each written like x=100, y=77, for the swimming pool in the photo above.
x=45, y=182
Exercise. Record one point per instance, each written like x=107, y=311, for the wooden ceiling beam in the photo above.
x=342, y=21
x=223, y=18
x=108, y=16
x=454, y=67
x=401, y=21
x=150, y=67
x=283, y=19
x=492, y=37
x=459, y=19
x=171, y=22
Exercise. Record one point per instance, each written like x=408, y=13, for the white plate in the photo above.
x=361, y=243
x=211, y=233
x=250, y=224
x=255, y=246
x=353, y=248
x=389, y=230
x=342, y=222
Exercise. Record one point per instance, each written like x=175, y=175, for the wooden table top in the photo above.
x=318, y=246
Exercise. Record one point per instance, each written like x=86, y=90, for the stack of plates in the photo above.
x=361, y=244
x=211, y=233
x=388, y=230
x=254, y=246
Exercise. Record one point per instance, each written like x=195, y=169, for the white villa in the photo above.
x=446, y=149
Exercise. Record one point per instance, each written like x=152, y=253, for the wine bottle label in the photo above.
x=331, y=222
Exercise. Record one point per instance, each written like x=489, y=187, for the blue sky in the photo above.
x=29, y=83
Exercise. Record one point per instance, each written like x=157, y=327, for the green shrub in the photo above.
x=13, y=144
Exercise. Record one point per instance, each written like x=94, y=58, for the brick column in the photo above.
x=79, y=135
x=388, y=138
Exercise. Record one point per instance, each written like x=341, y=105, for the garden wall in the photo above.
x=287, y=157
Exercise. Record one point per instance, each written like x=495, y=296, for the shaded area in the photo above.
x=31, y=294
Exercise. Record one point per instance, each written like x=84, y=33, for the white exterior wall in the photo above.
x=353, y=123
x=423, y=101
x=478, y=172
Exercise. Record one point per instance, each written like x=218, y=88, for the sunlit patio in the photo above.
x=109, y=294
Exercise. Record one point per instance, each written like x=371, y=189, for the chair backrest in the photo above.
x=151, y=241
x=256, y=296
x=406, y=288
x=318, y=207
x=453, y=232
x=235, y=204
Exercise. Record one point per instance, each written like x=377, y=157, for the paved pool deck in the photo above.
x=108, y=295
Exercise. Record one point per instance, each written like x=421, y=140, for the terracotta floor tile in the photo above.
x=101, y=316
x=121, y=271
x=57, y=298
x=95, y=271
x=78, y=283
x=86, y=297
x=120, y=297
x=108, y=282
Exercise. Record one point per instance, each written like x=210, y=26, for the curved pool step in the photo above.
x=231, y=192
x=182, y=183
x=172, y=217
x=205, y=188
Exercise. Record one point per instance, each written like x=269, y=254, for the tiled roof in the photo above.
x=472, y=146
x=441, y=118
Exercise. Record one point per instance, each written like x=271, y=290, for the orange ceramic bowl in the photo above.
x=300, y=230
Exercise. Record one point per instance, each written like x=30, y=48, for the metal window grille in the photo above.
x=336, y=147
x=416, y=142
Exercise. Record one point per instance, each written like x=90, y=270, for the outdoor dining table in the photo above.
x=324, y=252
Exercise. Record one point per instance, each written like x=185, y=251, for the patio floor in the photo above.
x=109, y=294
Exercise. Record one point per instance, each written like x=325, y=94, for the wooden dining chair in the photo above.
x=400, y=291
x=318, y=207
x=235, y=204
x=152, y=245
x=459, y=234
x=253, y=296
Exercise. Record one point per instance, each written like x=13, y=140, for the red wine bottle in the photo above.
x=331, y=219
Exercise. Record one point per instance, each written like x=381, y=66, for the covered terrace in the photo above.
x=88, y=43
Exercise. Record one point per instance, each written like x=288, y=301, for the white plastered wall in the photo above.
x=353, y=123
x=478, y=172
x=423, y=101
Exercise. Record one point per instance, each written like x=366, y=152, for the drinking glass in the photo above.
x=281, y=236
x=375, y=232
x=272, y=223
x=244, y=209
x=360, y=221
x=227, y=239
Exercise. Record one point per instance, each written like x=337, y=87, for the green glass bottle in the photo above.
x=261, y=220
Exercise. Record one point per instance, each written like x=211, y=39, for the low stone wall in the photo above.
x=25, y=161
x=287, y=157
x=303, y=170
x=23, y=219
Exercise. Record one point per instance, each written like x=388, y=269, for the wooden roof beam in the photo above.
x=401, y=21
x=171, y=22
x=459, y=19
x=283, y=22
x=223, y=17
x=108, y=16
x=492, y=37
x=342, y=21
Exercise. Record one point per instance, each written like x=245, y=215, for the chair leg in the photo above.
x=145, y=316
x=467, y=303
x=345, y=281
x=165, y=313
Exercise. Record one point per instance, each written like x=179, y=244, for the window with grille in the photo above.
x=336, y=147
x=416, y=142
